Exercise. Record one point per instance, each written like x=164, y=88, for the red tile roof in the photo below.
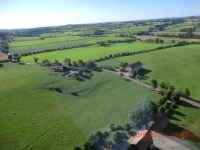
x=135, y=64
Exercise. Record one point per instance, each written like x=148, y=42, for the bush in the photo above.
x=105, y=134
x=173, y=106
x=117, y=137
x=111, y=127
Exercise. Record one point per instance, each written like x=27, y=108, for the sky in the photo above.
x=39, y=13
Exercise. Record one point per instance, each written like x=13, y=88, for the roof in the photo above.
x=142, y=139
x=72, y=67
x=169, y=142
x=160, y=123
x=57, y=67
x=135, y=64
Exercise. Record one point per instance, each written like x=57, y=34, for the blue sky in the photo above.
x=35, y=13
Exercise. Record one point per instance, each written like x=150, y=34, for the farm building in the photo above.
x=58, y=68
x=134, y=67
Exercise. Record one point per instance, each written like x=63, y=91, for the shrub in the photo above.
x=105, y=134
x=117, y=137
x=77, y=148
x=111, y=127
x=119, y=127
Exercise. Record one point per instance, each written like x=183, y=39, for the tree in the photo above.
x=161, y=110
x=167, y=94
x=56, y=62
x=75, y=63
x=186, y=93
x=127, y=127
x=111, y=126
x=157, y=40
x=139, y=77
x=162, y=100
x=80, y=62
x=88, y=146
x=141, y=114
x=67, y=61
x=35, y=59
x=76, y=75
x=154, y=84
x=175, y=97
x=167, y=105
x=77, y=148
x=90, y=64
x=161, y=41
x=162, y=85
x=117, y=137
x=10, y=57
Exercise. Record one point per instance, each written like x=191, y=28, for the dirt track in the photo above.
x=3, y=56
x=145, y=37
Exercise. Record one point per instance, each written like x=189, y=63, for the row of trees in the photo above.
x=157, y=40
x=15, y=57
x=186, y=35
x=187, y=30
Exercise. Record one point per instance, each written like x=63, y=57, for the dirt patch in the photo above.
x=3, y=56
x=145, y=37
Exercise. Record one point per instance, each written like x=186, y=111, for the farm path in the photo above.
x=150, y=88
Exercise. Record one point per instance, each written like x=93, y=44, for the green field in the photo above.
x=43, y=117
x=173, y=65
x=92, y=52
x=34, y=44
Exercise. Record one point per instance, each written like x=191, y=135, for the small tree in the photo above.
x=117, y=138
x=127, y=127
x=10, y=57
x=67, y=61
x=111, y=126
x=76, y=75
x=161, y=41
x=35, y=59
x=56, y=62
x=161, y=110
x=88, y=146
x=186, y=93
x=162, y=85
x=154, y=84
x=161, y=100
x=80, y=72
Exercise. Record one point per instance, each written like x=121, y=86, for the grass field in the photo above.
x=52, y=120
x=173, y=65
x=24, y=46
x=92, y=52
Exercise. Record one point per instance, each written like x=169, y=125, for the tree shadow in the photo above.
x=86, y=77
x=173, y=118
x=176, y=112
x=96, y=69
x=1, y=65
x=186, y=104
x=58, y=90
x=80, y=79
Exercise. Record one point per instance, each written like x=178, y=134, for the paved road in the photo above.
x=149, y=87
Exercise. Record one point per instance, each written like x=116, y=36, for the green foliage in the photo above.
x=161, y=110
x=111, y=126
x=117, y=137
x=175, y=97
x=77, y=148
x=90, y=64
x=171, y=88
x=167, y=94
x=127, y=127
x=173, y=105
x=167, y=105
x=123, y=64
x=141, y=114
x=162, y=100
x=80, y=72
x=35, y=59
x=67, y=61
x=154, y=84
x=10, y=57
x=186, y=93
x=89, y=146
x=106, y=134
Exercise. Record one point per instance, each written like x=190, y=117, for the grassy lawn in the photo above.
x=51, y=120
x=92, y=52
x=179, y=66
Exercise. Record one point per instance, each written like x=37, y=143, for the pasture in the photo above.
x=47, y=119
x=92, y=52
x=173, y=65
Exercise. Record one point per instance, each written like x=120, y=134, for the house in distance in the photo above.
x=134, y=67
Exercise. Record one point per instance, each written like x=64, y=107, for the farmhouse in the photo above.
x=134, y=67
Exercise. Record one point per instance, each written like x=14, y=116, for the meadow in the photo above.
x=92, y=52
x=22, y=45
x=172, y=65
x=51, y=120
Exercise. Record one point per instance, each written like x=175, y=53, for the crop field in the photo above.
x=34, y=116
x=172, y=65
x=92, y=52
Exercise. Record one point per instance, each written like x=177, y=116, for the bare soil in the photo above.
x=3, y=56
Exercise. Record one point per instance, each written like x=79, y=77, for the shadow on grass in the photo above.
x=186, y=104
x=80, y=79
x=177, y=113
x=1, y=65
x=173, y=118
x=86, y=77
x=144, y=71
x=187, y=134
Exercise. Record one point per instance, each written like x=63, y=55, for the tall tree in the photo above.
x=154, y=84
x=67, y=61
